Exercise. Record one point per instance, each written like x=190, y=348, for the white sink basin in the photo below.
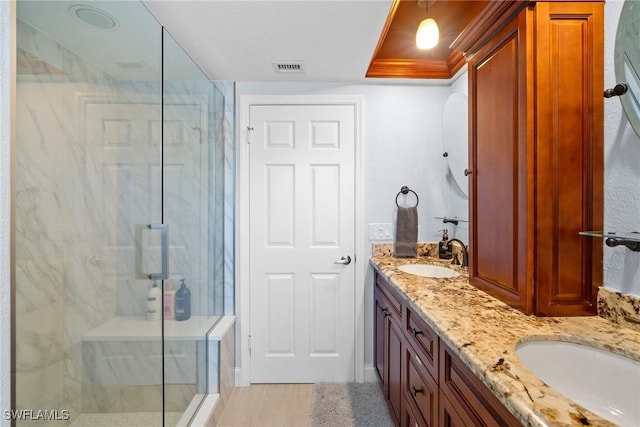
x=603, y=382
x=427, y=270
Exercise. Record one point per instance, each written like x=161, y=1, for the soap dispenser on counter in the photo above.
x=183, y=302
x=444, y=250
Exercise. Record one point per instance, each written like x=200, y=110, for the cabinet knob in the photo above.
x=416, y=332
x=385, y=311
x=416, y=391
x=618, y=90
x=467, y=172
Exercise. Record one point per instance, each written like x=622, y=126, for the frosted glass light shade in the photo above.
x=428, y=34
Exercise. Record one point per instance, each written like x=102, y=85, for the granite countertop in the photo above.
x=484, y=332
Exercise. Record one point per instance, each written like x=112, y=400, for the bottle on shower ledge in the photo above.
x=169, y=300
x=183, y=302
x=154, y=302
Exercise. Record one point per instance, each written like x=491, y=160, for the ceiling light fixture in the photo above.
x=428, y=33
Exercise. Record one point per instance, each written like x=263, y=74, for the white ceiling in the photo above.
x=240, y=39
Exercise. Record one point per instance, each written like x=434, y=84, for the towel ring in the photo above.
x=406, y=190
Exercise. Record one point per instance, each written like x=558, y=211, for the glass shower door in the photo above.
x=89, y=177
x=191, y=188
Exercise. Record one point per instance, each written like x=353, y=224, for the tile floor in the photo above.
x=267, y=405
x=126, y=419
x=259, y=405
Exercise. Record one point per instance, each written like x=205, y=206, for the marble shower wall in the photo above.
x=67, y=282
x=227, y=89
x=60, y=288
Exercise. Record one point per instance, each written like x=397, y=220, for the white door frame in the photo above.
x=242, y=288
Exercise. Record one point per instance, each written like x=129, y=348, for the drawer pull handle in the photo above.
x=415, y=391
x=416, y=332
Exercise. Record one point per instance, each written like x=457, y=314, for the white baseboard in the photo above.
x=242, y=379
x=370, y=374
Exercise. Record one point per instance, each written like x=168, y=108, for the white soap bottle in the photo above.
x=154, y=302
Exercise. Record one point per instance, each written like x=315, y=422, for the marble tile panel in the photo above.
x=227, y=365
x=40, y=338
x=47, y=378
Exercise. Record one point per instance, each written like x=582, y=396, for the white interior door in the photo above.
x=301, y=224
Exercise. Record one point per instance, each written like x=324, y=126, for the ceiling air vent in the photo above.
x=289, y=67
x=133, y=66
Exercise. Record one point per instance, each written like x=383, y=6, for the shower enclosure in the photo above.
x=119, y=184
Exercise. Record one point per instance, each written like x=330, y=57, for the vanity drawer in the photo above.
x=466, y=392
x=423, y=339
x=392, y=298
x=449, y=415
x=420, y=389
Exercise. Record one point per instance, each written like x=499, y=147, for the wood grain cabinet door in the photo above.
x=394, y=369
x=499, y=202
x=569, y=156
x=536, y=154
x=380, y=314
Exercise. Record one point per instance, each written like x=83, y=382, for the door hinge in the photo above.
x=249, y=129
x=249, y=344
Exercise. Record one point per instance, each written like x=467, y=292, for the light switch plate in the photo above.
x=380, y=231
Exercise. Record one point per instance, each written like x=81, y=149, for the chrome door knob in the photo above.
x=345, y=260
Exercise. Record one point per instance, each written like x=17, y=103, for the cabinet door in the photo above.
x=499, y=202
x=394, y=368
x=569, y=150
x=410, y=419
x=380, y=313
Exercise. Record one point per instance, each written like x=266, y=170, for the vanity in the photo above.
x=445, y=352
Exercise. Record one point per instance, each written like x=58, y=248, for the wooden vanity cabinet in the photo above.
x=536, y=155
x=424, y=383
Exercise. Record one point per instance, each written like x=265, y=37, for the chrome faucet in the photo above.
x=465, y=252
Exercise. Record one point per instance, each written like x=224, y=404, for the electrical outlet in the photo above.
x=380, y=231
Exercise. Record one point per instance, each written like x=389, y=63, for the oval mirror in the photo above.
x=627, y=60
x=455, y=137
